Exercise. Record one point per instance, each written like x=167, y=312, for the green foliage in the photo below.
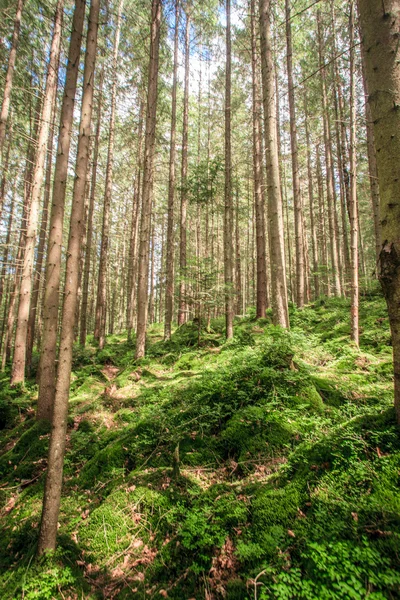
x=289, y=467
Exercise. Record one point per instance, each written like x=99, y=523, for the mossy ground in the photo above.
x=289, y=467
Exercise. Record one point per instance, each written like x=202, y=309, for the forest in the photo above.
x=200, y=299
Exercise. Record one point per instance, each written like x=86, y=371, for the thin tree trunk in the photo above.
x=132, y=266
x=47, y=369
x=183, y=232
x=89, y=235
x=314, y=238
x=228, y=208
x=148, y=168
x=329, y=167
x=239, y=293
x=353, y=187
x=322, y=228
x=41, y=246
x=169, y=284
x=6, y=249
x=152, y=270
x=262, y=292
x=5, y=107
x=275, y=211
x=5, y=174
x=52, y=492
x=341, y=149
x=297, y=200
x=18, y=367
x=101, y=306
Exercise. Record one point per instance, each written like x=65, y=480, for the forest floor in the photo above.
x=287, y=484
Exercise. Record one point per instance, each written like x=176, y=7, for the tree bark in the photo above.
x=372, y=165
x=275, y=213
x=380, y=23
x=148, y=168
x=297, y=200
x=329, y=167
x=52, y=492
x=18, y=366
x=262, y=292
x=101, y=306
x=183, y=232
x=314, y=238
x=353, y=187
x=47, y=370
x=322, y=226
x=132, y=260
x=228, y=207
x=41, y=247
x=89, y=235
x=5, y=107
x=169, y=283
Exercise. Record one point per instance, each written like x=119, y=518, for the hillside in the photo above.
x=263, y=467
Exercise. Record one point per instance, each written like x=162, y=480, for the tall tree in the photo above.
x=169, y=284
x=184, y=169
x=89, y=232
x=52, y=492
x=101, y=306
x=5, y=107
x=228, y=207
x=18, y=366
x=380, y=23
x=148, y=168
x=353, y=187
x=33, y=317
x=297, y=199
x=329, y=166
x=275, y=209
x=262, y=292
x=47, y=370
x=132, y=259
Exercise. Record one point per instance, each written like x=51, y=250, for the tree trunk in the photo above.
x=89, y=235
x=101, y=306
x=5, y=174
x=41, y=246
x=314, y=238
x=6, y=249
x=169, y=283
x=183, y=233
x=297, y=200
x=47, y=370
x=132, y=260
x=228, y=208
x=152, y=270
x=262, y=293
x=373, y=171
x=353, y=187
x=5, y=107
x=380, y=24
x=329, y=167
x=341, y=149
x=148, y=167
x=18, y=367
x=322, y=228
x=52, y=492
x=275, y=213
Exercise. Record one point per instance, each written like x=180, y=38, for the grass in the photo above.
x=288, y=479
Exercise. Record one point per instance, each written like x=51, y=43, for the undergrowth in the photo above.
x=266, y=467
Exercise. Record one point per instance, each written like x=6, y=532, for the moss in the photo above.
x=23, y=460
x=254, y=430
